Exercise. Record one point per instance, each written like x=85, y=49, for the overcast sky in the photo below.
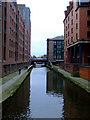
x=46, y=22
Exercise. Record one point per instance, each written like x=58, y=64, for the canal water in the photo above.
x=44, y=94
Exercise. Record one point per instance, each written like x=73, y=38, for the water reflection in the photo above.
x=44, y=94
x=43, y=104
x=55, y=83
x=76, y=102
x=17, y=107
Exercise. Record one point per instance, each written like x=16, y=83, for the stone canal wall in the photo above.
x=12, y=82
x=83, y=83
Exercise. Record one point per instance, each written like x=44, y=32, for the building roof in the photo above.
x=57, y=38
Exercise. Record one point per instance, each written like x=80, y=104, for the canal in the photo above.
x=44, y=94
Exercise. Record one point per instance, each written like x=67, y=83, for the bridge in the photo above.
x=39, y=60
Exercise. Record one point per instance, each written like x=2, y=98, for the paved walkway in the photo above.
x=80, y=81
x=8, y=83
x=11, y=81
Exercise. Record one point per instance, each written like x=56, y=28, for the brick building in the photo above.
x=77, y=33
x=25, y=11
x=55, y=49
x=0, y=39
x=14, y=38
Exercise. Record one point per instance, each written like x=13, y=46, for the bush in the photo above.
x=75, y=74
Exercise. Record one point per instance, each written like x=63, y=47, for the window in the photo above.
x=68, y=26
x=76, y=36
x=54, y=57
x=62, y=44
x=68, y=41
x=12, y=22
x=58, y=51
x=71, y=39
x=88, y=34
x=76, y=16
x=11, y=54
x=18, y=12
x=10, y=8
x=10, y=30
x=71, y=30
x=68, y=18
x=59, y=42
x=88, y=13
x=10, y=19
x=88, y=23
x=62, y=57
x=54, y=42
x=72, y=13
x=68, y=33
x=72, y=22
x=59, y=46
x=4, y=69
x=76, y=26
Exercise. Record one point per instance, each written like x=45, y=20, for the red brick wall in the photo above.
x=11, y=36
x=10, y=60
x=85, y=72
x=69, y=67
x=50, y=55
x=20, y=36
x=82, y=30
x=83, y=23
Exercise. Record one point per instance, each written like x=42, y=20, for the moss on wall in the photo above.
x=69, y=78
x=14, y=87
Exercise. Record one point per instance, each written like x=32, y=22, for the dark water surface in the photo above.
x=44, y=94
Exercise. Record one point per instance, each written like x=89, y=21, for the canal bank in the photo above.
x=10, y=83
x=83, y=83
x=44, y=94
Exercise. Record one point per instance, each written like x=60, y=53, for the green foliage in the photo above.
x=75, y=74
